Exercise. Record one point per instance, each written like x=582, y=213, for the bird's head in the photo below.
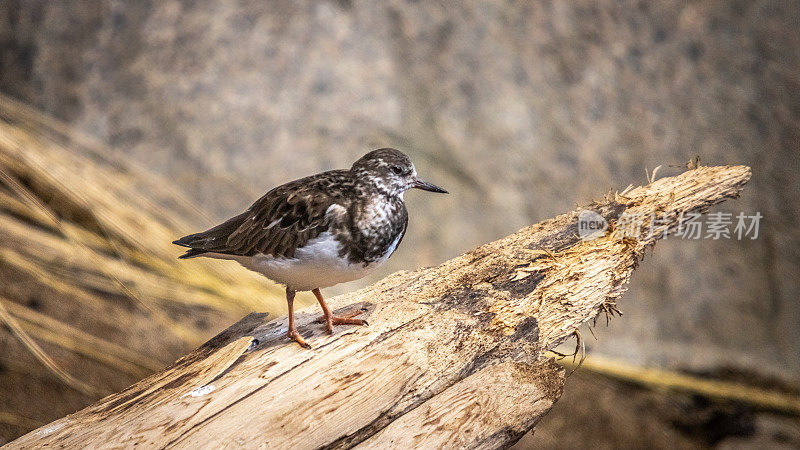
x=391, y=172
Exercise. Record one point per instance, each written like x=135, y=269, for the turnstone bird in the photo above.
x=321, y=230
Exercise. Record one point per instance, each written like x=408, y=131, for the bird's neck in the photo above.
x=368, y=186
x=378, y=205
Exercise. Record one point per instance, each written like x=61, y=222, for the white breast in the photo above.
x=316, y=265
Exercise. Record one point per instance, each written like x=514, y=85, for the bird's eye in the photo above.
x=397, y=170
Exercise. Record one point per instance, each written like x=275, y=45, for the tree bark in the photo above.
x=453, y=355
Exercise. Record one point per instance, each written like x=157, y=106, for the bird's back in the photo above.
x=278, y=223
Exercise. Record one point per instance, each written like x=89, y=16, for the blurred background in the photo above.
x=124, y=125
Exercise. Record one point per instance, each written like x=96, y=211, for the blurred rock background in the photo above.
x=520, y=109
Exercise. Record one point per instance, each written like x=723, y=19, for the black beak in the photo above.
x=419, y=184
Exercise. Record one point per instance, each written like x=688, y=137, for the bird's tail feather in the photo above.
x=190, y=241
x=212, y=240
x=192, y=253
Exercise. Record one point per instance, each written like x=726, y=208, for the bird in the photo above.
x=319, y=231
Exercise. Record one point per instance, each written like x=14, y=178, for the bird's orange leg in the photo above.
x=331, y=320
x=292, y=332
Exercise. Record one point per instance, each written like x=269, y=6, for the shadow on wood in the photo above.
x=453, y=356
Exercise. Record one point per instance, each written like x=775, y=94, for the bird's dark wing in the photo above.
x=278, y=223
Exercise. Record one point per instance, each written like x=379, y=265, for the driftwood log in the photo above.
x=454, y=355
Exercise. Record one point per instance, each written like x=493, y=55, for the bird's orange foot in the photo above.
x=292, y=333
x=348, y=319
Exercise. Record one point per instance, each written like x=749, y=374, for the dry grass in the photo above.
x=658, y=379
x=90, y=270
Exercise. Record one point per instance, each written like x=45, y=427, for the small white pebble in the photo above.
x=201, y=391
x=54, y=427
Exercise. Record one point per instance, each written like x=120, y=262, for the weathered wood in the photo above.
x=453, y=355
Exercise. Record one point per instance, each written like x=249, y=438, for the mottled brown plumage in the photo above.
x=281, y=221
